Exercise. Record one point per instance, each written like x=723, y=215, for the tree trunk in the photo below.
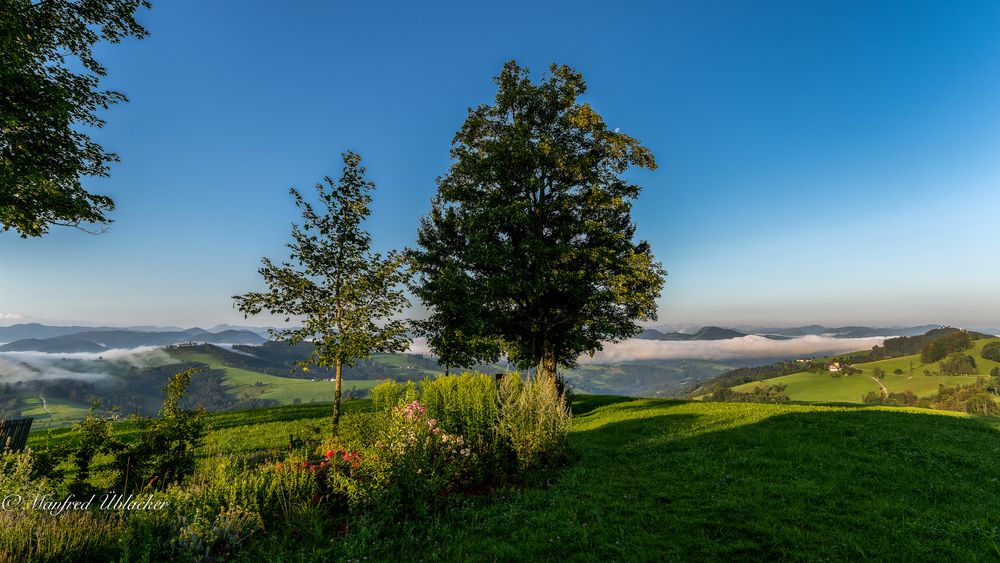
x=446, y=369
x=547, y=363
x=336, y=397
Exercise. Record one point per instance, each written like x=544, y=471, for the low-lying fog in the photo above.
x=36, y=366
x=748, y=347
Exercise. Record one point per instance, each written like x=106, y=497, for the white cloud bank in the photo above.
x=746, y=347
x=40, y=366
x=751, y=346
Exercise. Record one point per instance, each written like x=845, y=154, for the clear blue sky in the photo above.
x=832, y=162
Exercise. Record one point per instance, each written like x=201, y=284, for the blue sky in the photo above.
x=831, y=162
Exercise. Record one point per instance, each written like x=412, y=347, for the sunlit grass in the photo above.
x=823, y=387
x=672, y=480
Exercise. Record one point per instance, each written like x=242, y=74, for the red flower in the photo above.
x=329, y=454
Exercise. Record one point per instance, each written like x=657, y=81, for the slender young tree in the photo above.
x=531, y=228
x=344, y=294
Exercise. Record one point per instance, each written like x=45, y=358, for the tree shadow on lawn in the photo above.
x=583, y=404
x=801, y=485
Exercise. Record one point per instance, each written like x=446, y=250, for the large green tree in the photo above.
x=44, y=103
x=344, y=294
x=530, y=240
x=456, y=338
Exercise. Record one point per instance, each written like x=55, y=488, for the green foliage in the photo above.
x=465, y=405
x=18, y=475
x=534, y=420
x=344, y=293
x=739, y=376
x=768, y=394
x=456, y=337
x=973, y=399
x=95, y=436
x=904, y=399
x=958, y=364
x=165, y=450
x=49, y=92
x=389, y=393
x=272, y=489
x=207, y=539
x=518, y=422
x=412, y=463
x=991, y=351
x=941, y=347
x=529, y=241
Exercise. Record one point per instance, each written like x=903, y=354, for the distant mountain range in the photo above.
x=89, y=339
x=34, y=337
x=778, y=333
x=704, y=333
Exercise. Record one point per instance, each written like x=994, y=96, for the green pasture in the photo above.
x=827, y=388
x=283, y=390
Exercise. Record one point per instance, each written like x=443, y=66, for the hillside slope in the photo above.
x=824, y=387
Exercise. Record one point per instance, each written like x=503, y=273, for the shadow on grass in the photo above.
x=802, y=485
x=583, y=404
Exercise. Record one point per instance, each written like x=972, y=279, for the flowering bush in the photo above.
x=412, y=462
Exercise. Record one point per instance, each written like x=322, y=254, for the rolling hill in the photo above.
x=824, y=387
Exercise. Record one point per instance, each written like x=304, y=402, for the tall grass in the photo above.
x=467, y=405
x=534, y=419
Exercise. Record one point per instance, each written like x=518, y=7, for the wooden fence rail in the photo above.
x=14, y=433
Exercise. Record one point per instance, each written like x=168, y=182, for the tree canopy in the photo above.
x=343, y=294
x=529, y=242
x=44, y=154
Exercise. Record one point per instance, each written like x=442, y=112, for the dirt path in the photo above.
x=885, y=392
x=45, y=404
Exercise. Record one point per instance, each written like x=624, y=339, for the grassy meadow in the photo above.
x=54, y=412
x=283, y=390
x=653, y=479
x=827, y=388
